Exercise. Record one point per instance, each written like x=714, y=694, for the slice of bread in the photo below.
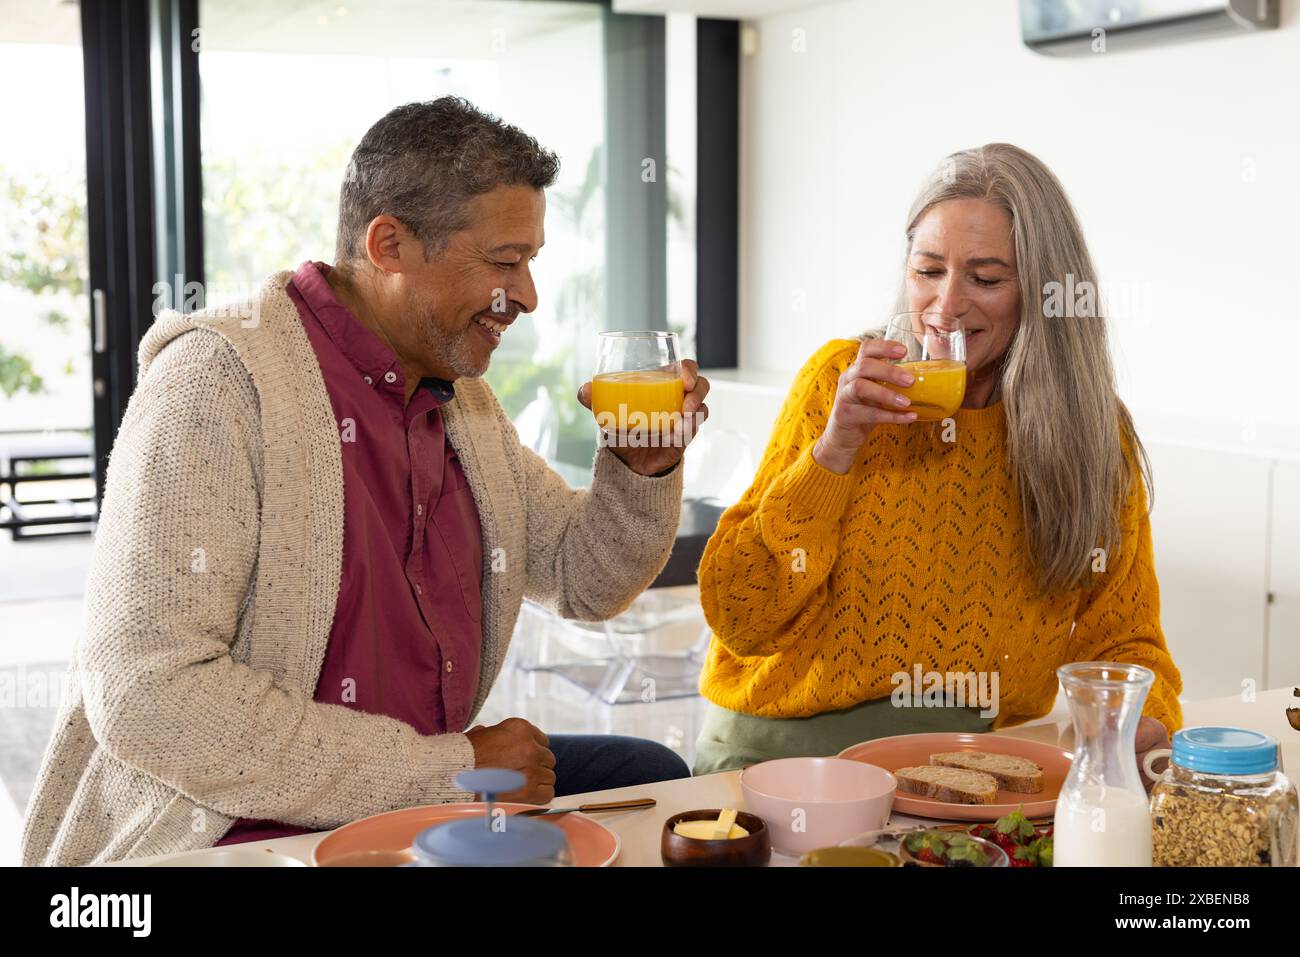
x=951, y=785
x=1012, y=773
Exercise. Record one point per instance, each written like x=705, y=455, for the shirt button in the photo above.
x=419, y=509
x=390, y=377
x=449, y=667
x=417, y=590
x=369, y=381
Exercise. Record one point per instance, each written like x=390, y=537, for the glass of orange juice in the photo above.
x=936, y=356
x=637, y=391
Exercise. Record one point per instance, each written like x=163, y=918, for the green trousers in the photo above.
x=730, y=740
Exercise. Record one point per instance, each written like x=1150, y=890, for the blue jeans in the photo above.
x=598, y=762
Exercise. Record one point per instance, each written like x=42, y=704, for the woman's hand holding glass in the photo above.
x=862, y=403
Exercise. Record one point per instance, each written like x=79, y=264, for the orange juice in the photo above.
x=938, y=390
x=656, y=394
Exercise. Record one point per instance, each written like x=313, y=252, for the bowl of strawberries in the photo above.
x=1025, y=843
x=933, y=847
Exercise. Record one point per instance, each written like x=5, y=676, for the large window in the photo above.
x=44, y=344
x=45, y=362
x=289, y=89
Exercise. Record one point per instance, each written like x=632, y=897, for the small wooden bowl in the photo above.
x=755, y=850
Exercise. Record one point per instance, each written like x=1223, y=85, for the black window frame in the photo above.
x=140, y=65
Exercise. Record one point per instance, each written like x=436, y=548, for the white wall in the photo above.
x=1182, y=162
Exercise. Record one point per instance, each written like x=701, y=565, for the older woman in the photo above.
x=873, y=550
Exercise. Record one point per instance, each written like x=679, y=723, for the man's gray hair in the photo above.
x=422, y=163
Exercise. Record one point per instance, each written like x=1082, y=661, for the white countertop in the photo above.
x=639, y=831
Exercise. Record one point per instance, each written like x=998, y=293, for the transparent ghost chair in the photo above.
x=654, y=650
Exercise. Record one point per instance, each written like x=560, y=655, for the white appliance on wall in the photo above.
x=1068, y=27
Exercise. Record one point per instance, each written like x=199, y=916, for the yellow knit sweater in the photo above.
x=820, y=587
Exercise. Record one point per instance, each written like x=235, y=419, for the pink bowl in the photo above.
x=808, y=803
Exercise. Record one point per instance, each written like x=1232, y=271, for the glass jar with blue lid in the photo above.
x=1223, y=802
x=497, y=838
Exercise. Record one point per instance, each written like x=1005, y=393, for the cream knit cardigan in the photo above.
x=212, y=589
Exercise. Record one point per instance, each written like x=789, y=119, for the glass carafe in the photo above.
x=1103, y=817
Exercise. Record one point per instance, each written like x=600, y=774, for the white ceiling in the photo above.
x=456, y=29
x=720, y=9
x=40, y=21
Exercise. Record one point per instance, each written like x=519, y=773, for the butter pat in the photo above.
x=703, y=830
x=722, y=830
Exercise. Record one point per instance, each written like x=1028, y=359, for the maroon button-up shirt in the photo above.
x=406, y=636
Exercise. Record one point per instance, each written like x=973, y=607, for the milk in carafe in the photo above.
x=1102, y=815
x=1102, y=827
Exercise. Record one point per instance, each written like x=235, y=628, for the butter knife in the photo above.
x=630, y=805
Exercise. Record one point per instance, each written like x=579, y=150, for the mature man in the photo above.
x=318, y=527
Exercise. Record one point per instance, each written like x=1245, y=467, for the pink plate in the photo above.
x=592, y=844
x=909, y=750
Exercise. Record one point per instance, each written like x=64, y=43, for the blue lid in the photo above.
x=490, y=781
x=496, y=839
x=512, y=842
x=1232, y=751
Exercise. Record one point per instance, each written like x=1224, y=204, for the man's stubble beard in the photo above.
x=461, y=359
x=456, y=353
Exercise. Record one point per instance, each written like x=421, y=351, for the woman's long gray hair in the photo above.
x=1072, y=447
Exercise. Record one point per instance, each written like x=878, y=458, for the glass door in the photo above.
x=47, y=486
